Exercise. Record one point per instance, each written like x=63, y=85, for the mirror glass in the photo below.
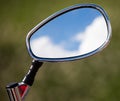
x=73, y=33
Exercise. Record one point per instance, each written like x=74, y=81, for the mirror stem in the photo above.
x=18, y=91
x=29, y=77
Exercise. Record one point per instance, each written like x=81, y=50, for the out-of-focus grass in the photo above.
x=96, y=78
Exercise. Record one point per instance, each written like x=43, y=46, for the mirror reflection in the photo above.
x=74, y=33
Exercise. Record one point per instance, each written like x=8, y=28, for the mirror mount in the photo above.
x=29, y=77
x=18, y=91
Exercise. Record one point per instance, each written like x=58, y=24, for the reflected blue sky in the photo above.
x=62, y=30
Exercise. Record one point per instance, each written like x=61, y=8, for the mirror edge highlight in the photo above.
x=100, y=9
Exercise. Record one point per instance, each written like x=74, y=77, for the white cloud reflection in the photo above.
x=94, y=36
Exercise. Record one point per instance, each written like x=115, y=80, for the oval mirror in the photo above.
x=73, y=33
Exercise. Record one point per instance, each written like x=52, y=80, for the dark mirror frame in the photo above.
x=94, y=6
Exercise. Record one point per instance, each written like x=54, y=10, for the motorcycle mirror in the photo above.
x=73, y=33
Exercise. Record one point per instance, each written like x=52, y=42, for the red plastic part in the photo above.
x=23, y=88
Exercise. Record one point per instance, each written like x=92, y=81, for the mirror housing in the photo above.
x=73, y=33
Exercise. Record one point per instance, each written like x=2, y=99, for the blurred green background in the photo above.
x=96, y=78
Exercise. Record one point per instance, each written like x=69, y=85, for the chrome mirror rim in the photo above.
x=60, y=13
